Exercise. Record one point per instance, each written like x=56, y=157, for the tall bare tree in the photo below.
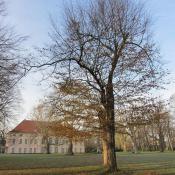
x=10, y=68
x=109, y=46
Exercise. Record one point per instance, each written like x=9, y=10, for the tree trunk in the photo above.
x=98, y=146
x=124, y=146
x=135, y=146
x=70, y=148
x=133, y=139
x=147, y=140
x=47, y=146
x=109, y=156
x=161, y=142
x=170, y=143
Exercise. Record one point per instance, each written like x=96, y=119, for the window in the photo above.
x=66, y=141
x=13, y=150
x=50, y=140
x=62, y=150
x=43, y=141
x=30, y=150
x=20, y=141
x=19, y=150
x=50, y=149
x=56, y=149
x=63, y=141
x=25, y=150
x=25, y=141
x=31, y=141
x=13, y=141
x=35, y=141
x=34, y=150
x=56, y=141
x=43, y=150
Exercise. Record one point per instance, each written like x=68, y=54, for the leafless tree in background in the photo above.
x=108, y=45
x=148, y=125
x=10, y=70
x=133, y=117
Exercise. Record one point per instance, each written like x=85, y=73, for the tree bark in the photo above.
x=70, y=148
x=147, y=140
x=135, y=146
x=47, y=146
x=161, y=141
x=170, y=143
x=109, y=156
x=133, y=139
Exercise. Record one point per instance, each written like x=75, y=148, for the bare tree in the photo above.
x=107, y=45
x=134, y=117
x=161, y=120
x=149, y=125
x=10, y=68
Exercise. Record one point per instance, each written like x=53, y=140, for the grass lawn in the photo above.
x=52, y=164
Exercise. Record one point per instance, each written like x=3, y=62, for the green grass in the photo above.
x=163, y=163
x=42, y=164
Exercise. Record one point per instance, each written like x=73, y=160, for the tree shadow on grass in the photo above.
x=119, y=172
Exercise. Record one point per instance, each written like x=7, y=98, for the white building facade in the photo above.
x=25, y=139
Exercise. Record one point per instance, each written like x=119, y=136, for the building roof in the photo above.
x=26, y=126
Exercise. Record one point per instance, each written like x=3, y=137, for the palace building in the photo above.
x=27, y=138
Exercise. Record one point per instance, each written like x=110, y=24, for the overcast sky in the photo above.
x=31, y=18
